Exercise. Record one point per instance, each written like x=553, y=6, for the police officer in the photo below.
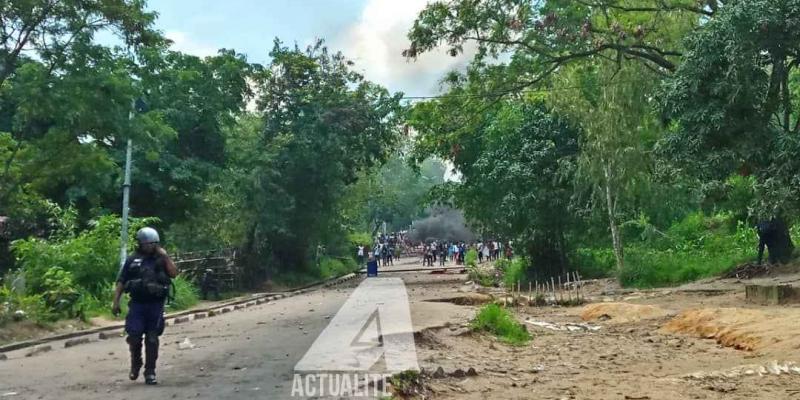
x=146, y=277
x=774, y=235
x=209, y=284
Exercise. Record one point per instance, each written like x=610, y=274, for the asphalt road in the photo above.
x=244, y=354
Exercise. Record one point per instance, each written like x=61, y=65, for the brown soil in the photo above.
x=703, y=343
x=773, y=331
x=621, y=312
x=467, y=299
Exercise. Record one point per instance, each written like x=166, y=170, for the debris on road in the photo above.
x=75, y=342
x=39, y=350
x=571, y=327
x=186, y=344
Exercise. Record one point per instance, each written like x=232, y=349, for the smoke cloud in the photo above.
x=443, y=224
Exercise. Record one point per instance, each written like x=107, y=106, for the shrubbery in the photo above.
x=72, y=274
x=696, y=247
x=515, y=271
x=496, y=320
x=471, y=258
x=333, y=267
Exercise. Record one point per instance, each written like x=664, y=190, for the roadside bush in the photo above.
x=61, y=294
x=496, y=320
x=186, y=294
x=482, y=276
x=593, y=263
x=333, y=267
x=91, y=257
x=515, y=271
x=699, y=247
x=471, y=258
x=15, y=306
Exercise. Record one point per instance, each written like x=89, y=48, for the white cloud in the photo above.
x=376, y=41
x=183, y=43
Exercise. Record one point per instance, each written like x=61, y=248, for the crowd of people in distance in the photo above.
x=385, y=248
x=440, y=251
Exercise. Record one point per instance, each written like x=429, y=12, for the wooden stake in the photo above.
x=575, y=283
x=530, y=293
x=553, y=289
x=560, y=289
x=569, y=291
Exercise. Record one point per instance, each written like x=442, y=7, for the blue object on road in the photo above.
x=372, y=268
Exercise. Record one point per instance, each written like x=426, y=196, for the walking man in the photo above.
x=146, y=277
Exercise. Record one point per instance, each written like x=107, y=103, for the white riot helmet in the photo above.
x=147, y=235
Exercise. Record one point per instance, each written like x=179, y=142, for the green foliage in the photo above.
x=60, y=292
x=697, y=247
x=91, y=257
x=471, y=258
x=186, y=294
x=324, y=125
x=15, y=306
x=406, y=383
x=482, y=276
x=333, y=267
x=359, y=239
x=496, y=320
x=543, y=36
x=731, y=101
x=516, y=272
x=516, y=159
x=593, y=263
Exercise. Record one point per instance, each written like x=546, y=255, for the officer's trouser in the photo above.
x=144, y=321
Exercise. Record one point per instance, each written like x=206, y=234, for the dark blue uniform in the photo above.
x=145, y=317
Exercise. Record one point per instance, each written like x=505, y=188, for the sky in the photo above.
x=372, y=33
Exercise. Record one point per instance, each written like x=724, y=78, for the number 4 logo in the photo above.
x=374, y=324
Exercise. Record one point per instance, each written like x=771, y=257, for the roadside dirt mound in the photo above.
x=467, y=299
x=621, y=312
x=773, y=330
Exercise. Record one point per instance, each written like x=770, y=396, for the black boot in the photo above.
x=150, y=377
x=135, y=347
x=151, y=355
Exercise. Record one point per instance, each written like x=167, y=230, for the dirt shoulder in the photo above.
x=700, y=341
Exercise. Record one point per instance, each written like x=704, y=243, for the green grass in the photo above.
x=333, y=267
x=696, y=247
x=186, y=295
x=496, y=320
x=515, y=272
x=406, y=383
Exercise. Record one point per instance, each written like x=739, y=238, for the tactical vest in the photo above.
x=147, y=281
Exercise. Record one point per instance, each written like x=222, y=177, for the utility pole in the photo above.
x=126, y=188
x=137, y=105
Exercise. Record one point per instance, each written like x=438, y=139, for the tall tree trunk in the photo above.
x=611, y=205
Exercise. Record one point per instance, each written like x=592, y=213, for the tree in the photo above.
x=52, y=28
x=516, y=160
x=323, y=125
x=198, y=99
x=613, y=110
x=544, y=36
x=732, y=102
